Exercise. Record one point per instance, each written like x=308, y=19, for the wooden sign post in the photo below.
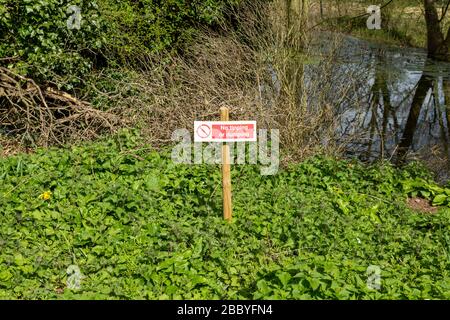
x=226, y=174
x=225, y=131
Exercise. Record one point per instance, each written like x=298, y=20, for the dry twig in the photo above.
x=44, y=116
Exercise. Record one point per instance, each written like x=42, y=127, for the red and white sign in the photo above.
x=224, y=131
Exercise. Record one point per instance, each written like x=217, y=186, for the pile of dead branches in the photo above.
x=44, y=116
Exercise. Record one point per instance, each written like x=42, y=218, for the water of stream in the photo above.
x=391, y=102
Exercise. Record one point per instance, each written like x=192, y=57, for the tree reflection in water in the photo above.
x=403, y=104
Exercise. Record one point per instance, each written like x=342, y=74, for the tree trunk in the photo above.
x=321, y=9
x=438, y=45
x=446, y=88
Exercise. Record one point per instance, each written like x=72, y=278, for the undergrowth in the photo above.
x=140, y=227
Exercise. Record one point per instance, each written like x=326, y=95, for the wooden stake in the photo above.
x=226, y=174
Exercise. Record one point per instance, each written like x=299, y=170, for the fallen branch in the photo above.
x=44, y=116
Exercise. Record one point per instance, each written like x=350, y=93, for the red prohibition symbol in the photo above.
x=203, y=131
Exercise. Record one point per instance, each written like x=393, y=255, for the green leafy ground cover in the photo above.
x=140, y=227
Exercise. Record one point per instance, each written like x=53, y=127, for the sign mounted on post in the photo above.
x=224, y=131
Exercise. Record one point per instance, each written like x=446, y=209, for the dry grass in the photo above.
x=10, y=147
x=223, y=71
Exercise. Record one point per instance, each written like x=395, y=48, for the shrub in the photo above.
x=35, y=33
